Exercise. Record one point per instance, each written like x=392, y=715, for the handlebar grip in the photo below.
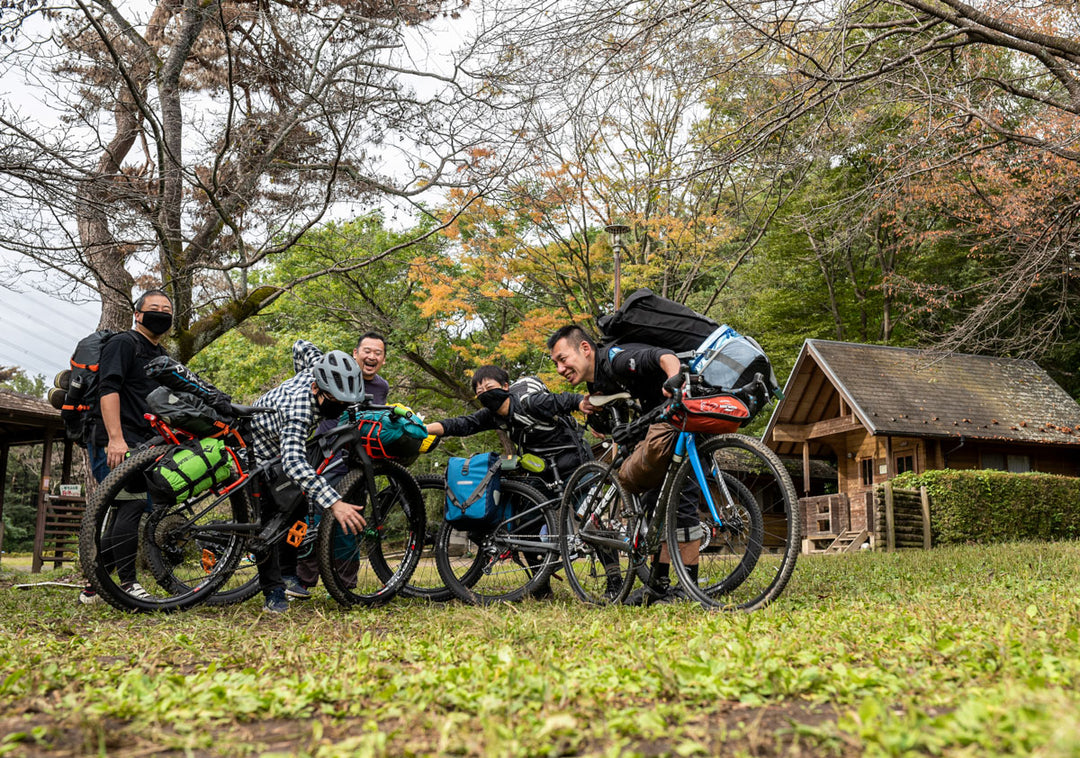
x=674, y=383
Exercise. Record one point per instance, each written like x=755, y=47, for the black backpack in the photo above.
x=722, y=357
x=76, y=390
x=525, y=387
x=650, y=319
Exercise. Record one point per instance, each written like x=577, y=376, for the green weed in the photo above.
x=957, y=651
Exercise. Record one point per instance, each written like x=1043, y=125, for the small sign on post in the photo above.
x=70, y=490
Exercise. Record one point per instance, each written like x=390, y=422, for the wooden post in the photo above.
x=4, y=448
x=890, y=529
x=806, y=468
x=925, y=497
x=65, y=471
x=42, y=505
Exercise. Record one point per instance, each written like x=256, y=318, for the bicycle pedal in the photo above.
x=296, y=534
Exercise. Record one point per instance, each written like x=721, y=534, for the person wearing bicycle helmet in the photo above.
x=301, y=573
x=645, y=372
x=324, y=386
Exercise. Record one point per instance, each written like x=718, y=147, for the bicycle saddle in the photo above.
x=599, y=401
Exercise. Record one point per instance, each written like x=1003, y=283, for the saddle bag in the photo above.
x=188, y=470
x=473, y=496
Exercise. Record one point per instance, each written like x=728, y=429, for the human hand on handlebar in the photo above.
x=673, y=384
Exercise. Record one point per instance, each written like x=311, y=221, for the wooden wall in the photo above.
x=930, y=454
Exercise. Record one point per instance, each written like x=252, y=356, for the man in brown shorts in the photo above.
x=641, y=370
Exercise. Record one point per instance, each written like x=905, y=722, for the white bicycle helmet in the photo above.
x=337, y=373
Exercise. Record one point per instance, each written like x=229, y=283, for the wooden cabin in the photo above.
x=26, y=420
x=874, y=412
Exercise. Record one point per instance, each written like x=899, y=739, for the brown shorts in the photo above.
x=644, y=469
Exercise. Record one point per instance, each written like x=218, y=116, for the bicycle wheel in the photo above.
x=751, y=548
x=372, y=567
x=503, y=564
x=598, y=522
x=241, y=584
x=426, y=582
x=145, y=556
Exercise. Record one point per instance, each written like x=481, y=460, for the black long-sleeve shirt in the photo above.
x=533, y=424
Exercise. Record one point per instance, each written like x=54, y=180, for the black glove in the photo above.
x=673, y=383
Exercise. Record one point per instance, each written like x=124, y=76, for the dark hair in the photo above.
x=489, y=372
x=151, y=293
x=573, y=334
x=372, y=336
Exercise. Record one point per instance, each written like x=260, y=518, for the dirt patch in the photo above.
x=783, y=729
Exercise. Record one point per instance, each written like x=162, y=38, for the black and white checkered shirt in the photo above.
x=287, y=429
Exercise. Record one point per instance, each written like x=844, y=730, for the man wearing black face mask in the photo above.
x=532, y=421
x=119, y=422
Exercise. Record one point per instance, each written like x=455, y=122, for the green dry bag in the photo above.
x=188, y=470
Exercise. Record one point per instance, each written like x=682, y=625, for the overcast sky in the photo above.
x=38, y=333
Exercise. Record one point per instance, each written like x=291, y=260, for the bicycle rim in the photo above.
x=597, y=524
x=125, y=538
x=426, y=582
x=491, y=565
x=370, y=568
x=749, y=553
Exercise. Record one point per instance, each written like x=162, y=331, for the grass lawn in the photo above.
x=967, y=651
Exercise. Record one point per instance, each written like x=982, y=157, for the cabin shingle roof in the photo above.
x=918, y=393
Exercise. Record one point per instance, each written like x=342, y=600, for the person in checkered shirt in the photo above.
x=324, y=386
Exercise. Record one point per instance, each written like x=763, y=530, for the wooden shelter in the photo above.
x=875, y=412
x=26, y=420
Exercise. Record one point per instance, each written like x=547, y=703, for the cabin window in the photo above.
x=867, y=466
x=1018, y=464
x=905, y=463
x=1015, y=464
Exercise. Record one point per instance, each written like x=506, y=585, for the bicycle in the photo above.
x=186, y=552
x=747, y=530
x=513, y=558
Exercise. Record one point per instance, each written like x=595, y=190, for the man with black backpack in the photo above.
x=647, y=373
x=118, y=421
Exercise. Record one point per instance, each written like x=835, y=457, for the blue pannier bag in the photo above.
x=472, y=490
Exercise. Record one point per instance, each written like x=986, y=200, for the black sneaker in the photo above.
x=294, y=590
x=648, y=595
x=275, y=601
x=674, y=594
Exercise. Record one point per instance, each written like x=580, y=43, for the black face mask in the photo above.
x=157, y=322
x=493, y=399
x=330, y=408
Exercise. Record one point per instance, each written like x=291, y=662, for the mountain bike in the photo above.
x=747, y=529
x=182, y=553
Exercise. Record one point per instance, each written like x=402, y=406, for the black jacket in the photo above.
x=536, y=424
x=633, y=368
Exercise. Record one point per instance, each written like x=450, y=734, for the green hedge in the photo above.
x=996, y=506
